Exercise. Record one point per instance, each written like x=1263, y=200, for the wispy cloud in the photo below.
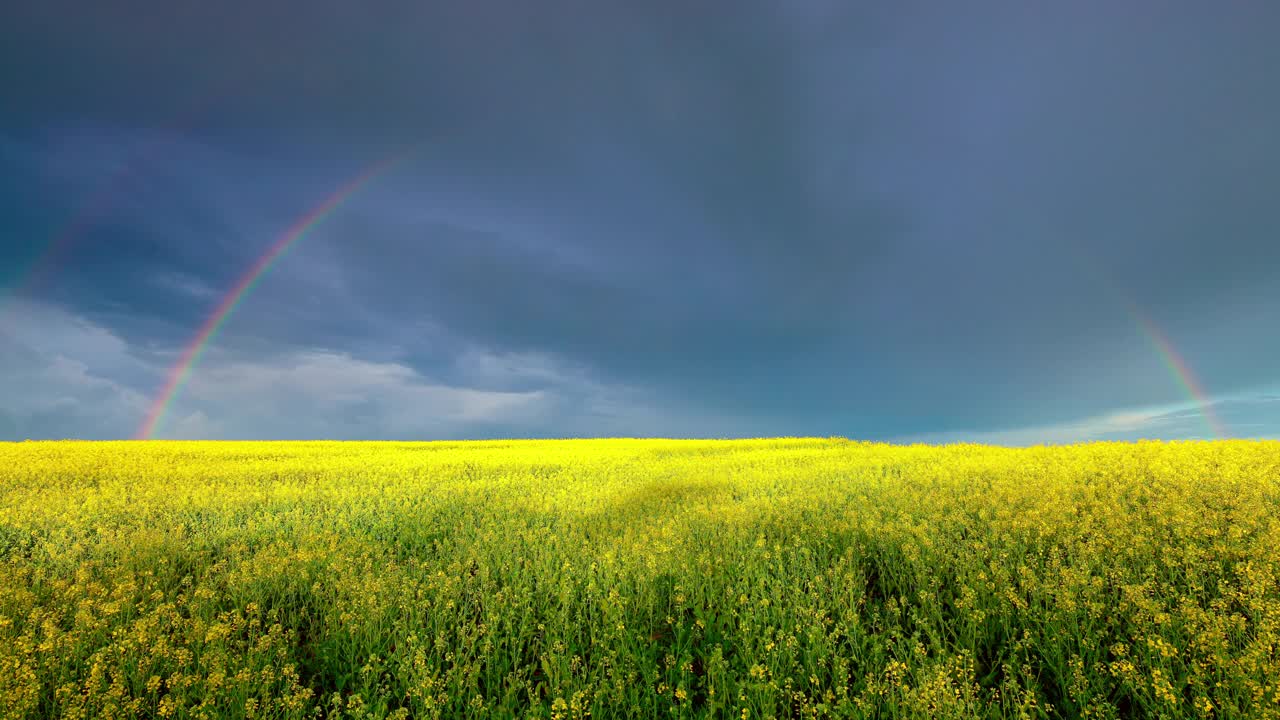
x=1247, y=415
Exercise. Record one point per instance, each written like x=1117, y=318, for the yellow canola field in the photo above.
x=639, y=578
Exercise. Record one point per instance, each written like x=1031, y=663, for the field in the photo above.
x=639, y=578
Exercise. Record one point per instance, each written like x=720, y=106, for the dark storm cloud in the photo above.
x=809, y=218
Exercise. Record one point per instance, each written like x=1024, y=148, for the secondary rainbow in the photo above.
x=101, y=200
x=96, y=206
x=191, y=354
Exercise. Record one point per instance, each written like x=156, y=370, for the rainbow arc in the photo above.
x=193, y=351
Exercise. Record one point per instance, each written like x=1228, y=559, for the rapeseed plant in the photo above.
x=639, y=578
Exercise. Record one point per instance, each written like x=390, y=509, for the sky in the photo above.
x=1016, y=223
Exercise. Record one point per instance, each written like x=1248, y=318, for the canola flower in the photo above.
x=782, y=578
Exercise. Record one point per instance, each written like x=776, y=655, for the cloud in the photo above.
x=1251, y=415
x=186, y=284
x=327, y=395
x=320, y=394
x=64, y=376
x=59, y=377
x=1084, y=430
x=835, y=219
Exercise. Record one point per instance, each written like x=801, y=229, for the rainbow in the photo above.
x=40, y=267
x=1178, y=367
x=100, y=201
x=181, y=370
x=1180, y=370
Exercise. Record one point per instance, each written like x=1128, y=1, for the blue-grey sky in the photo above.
x=899, y=221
